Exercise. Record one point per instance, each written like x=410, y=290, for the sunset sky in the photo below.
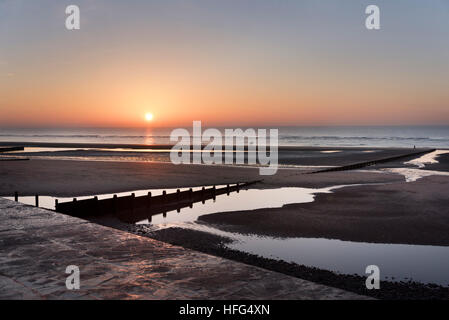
x=227, y=62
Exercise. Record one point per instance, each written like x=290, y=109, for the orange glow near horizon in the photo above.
x=222, y=64
x=36, y=98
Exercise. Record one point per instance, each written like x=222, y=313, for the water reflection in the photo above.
x=246, y=200
x=397, y=262
x=427, y=264
x=48, y=202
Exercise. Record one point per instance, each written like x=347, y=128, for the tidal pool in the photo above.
x=397, y=262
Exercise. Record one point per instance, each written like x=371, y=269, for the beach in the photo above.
x=80, y=178
x=370, y=205
x=373, y=205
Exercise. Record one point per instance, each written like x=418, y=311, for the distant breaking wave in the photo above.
x=361, y=138
x=289, y=137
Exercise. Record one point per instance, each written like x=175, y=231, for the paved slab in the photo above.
x=37, y=245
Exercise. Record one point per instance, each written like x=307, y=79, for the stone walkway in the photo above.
x=37, y=245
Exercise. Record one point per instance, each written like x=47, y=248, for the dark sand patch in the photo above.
x=78, y=178
x=442, y=165
x=407, y=213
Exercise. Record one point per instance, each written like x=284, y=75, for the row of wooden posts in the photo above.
x=36, y=197
x=164, y=193
x=132, y=208
x=373, y=162
x=9, y=149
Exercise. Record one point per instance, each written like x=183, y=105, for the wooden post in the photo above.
x=16, y=196
x=95, y=206
x=238, y=187
x=227, y=189
x=149, y=200
x=74, y=208
x=56, y=204
x=190, y=194
x=164, y=195
x=214, y=190
x=132, y=202
x=36, y=197
x=178, y=195
x=114, y=204
x=203, y=190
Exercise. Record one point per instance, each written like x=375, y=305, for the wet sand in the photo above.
x=397, y=212
x=288, y=156
x=407, y=213
x=442, y=165
x=78, y=178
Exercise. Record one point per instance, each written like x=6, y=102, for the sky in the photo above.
x=233, y=62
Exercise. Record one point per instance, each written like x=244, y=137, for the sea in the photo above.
x=317, y=136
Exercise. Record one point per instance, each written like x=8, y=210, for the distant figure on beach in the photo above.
x=414, y=147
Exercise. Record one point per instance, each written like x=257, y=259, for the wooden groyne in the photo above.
x=132, y=209
x=14, y=159
x=9, y=149
x=360, y=165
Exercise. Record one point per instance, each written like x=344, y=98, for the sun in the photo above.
x=148, y=116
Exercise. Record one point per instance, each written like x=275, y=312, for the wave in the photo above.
x=291, y=137
x=281, y=137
